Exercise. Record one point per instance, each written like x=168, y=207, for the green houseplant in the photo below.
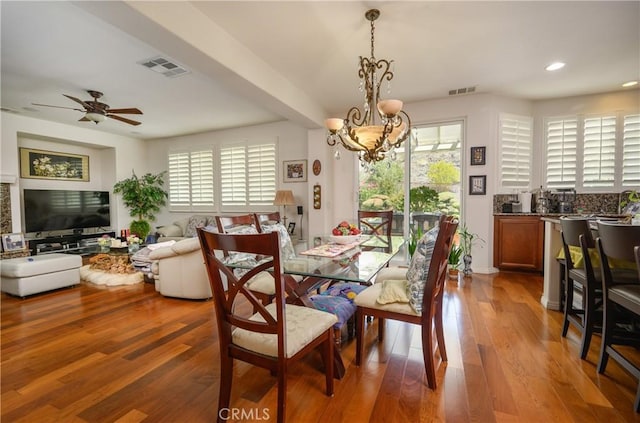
x=143, y=196
x=467, y=240
x=454, y=260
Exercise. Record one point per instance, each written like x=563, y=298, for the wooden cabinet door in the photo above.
x=518, y=243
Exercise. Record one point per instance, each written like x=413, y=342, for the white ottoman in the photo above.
x=31, y=275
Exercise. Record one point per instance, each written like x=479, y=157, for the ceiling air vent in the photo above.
x=467, y=90
x=164, y=66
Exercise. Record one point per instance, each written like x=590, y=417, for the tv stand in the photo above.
x=82, y=244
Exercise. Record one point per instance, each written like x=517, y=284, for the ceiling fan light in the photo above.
x=95, y=117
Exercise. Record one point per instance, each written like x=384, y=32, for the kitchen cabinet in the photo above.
x=518, y=243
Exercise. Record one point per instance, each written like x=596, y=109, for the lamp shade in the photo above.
x=95, y=117
x=284, y=198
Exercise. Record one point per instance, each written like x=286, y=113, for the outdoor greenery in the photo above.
x=442, y=175
x=143, y=197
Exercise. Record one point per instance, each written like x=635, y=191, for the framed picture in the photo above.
x=13, y=242
x=291, y=227
x=295, y=171
x=478, y=156
x=478, y=185
x=42, y=164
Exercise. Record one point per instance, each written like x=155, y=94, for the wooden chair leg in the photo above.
x=608, y=320
x=282, y=393
x=337, y=335
x=427, y=355
x=568, y=305
x=359, y=335
x=329, y=357
x=589, y=321
x=440, y=333
x=226, y=375
x=380, y=329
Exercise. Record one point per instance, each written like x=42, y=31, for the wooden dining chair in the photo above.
x=369, y=301
x=378, y=224
x=266, y=218
x=617, y=245
x=262, y=285
x=278, y=333
x=577, y=241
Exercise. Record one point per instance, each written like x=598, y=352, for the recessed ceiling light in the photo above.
x=555, y=66
x=630, y=84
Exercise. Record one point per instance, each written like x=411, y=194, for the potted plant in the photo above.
x=413, y=241
x=454, y=260
x=143, y=197
x=467, y=241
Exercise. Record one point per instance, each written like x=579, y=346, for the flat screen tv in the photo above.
x=57, y=210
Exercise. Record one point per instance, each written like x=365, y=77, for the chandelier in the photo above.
x=360, y=131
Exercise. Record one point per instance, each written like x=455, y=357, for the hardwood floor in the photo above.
x=127, y=354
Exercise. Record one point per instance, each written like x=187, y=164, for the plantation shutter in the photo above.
x=233, y=176
x=562, y=144
x=179, y=179
x=515, y=151
x=631, y=151
x=599, y=151
x=202, y=178
x=261, y=167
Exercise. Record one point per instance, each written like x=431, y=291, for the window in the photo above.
x=247, y=175
x=593, y=152
x=631, y=151
x=515, y=151
x=191, y=180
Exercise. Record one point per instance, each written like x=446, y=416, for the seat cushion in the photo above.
x=303, y=325
x=627, y=296
x=263, y=282
x=369, y=298
x=342, y=308
x=392, y=272
x=393, y=291
x=419, y=267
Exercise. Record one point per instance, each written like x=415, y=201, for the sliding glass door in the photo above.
x=423, y=181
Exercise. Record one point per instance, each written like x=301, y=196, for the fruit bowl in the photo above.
x=344, y=239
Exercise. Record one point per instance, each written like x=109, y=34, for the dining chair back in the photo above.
x=262, y=284
x=617, y=246
x=263, y=339
x=262, y=218
x=368, y=302
x=378, y=224
x=577, y=241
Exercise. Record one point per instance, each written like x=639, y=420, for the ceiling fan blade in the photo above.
x=125, y=120
x=130, y=111
x=58, y=107
x=77, y=100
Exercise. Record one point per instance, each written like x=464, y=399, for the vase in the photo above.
x=467, y=265
x=133, y=248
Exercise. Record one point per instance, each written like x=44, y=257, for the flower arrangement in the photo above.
x=345, y=228
x=43, y=166
x=104, y=241
x=133, y=239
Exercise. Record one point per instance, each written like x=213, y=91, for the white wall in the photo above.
x=111, y=158
x=480, y=112
x=292, y=145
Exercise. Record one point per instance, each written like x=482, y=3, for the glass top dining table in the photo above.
x=357, y=264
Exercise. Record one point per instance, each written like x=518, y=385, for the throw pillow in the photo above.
x=419, y=267
x=195, y=221
x=286, y=246
x=393, y=291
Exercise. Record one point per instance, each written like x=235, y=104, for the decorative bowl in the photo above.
x=344, y=239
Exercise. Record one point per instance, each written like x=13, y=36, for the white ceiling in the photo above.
x=257, y=62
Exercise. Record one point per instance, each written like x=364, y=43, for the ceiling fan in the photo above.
x=96, y=111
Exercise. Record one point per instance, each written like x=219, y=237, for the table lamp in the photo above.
x=284, y=198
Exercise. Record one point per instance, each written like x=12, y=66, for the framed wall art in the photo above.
x=478, y=156
x=13, y=242
x=478, y=185
x=295, y=171
x=42, y=164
